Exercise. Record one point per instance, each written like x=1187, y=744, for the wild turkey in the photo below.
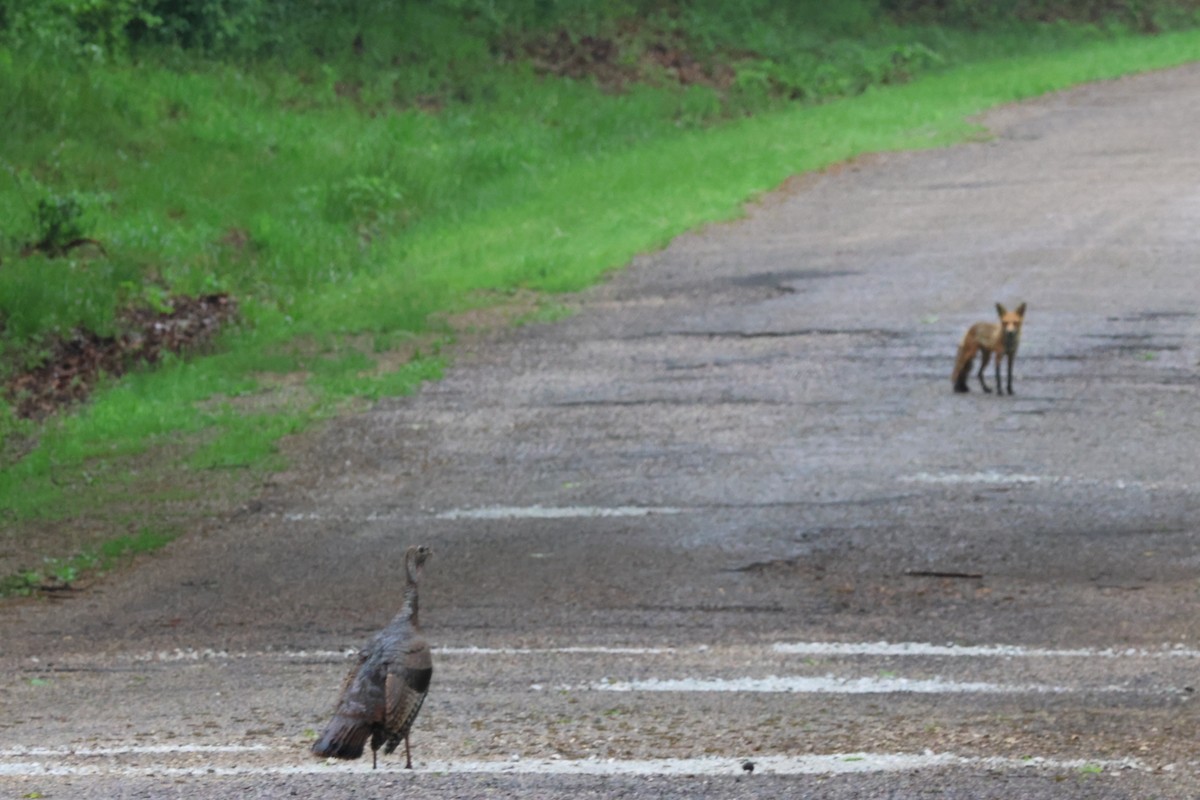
x=385, y=689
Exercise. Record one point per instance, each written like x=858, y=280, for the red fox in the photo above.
x=992, y=339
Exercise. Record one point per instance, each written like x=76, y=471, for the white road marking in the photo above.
x=885, y=649
x=994, y=478
x=989, y=477
x=208, y=654
x=827, y=684
x=829, y=764
x=135, y=749
x=973, y=651
x=524, y=651
x=486, y=513
x=315, y=516
x=555, y=512
x=197, y=760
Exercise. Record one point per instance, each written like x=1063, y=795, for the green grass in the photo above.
x=350, y=228
x=56, y=574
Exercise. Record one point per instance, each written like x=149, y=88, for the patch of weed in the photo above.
x=59, y=574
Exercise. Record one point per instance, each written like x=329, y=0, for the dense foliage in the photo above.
x=263, y=27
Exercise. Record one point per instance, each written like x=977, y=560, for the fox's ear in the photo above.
x=1000, y=309
x=1021, y=310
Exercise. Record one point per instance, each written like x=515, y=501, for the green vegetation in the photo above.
x=57, y=574
x=357, y=174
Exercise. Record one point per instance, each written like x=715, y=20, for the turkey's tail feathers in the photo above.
x=342, y=738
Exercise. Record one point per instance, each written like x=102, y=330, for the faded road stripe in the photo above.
x=974, y=651
x=827, y=684
x=555, y=512
x=834, y=763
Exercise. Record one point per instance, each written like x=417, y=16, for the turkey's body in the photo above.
x=385, y=689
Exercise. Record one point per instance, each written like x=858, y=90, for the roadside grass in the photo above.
x=349, y=237
x=60, y=574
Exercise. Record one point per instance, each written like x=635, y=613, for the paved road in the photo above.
x=729, y=511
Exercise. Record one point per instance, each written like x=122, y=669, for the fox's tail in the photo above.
x=962, y=366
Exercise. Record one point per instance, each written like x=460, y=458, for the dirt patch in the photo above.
x=614, y=63
x=147, y=491
x=76, y=364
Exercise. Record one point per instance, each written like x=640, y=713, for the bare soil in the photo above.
x=73, y=365
x=614, y=63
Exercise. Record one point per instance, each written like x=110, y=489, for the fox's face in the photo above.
x=1010, y=325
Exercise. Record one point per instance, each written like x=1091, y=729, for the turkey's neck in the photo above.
x=409, y=609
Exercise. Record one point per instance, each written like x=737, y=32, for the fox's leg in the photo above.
x=985, y=356
x=1010, y=360
x=964, y=363
x=999, y=383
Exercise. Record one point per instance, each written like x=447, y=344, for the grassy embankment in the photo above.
x=349, y=229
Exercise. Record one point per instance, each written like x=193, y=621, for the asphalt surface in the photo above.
x=653, y=521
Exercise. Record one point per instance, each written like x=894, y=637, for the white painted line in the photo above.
x=524, y=651
x=315, y=516
x=828, y=684
x=208, y=654
x=486, y=513
x=831, y=764
x=544, y=512
x=913, y=649
x=40, y=769
x=989, y=477
x=973, y=651
x=150, y=749
x=994, y=478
